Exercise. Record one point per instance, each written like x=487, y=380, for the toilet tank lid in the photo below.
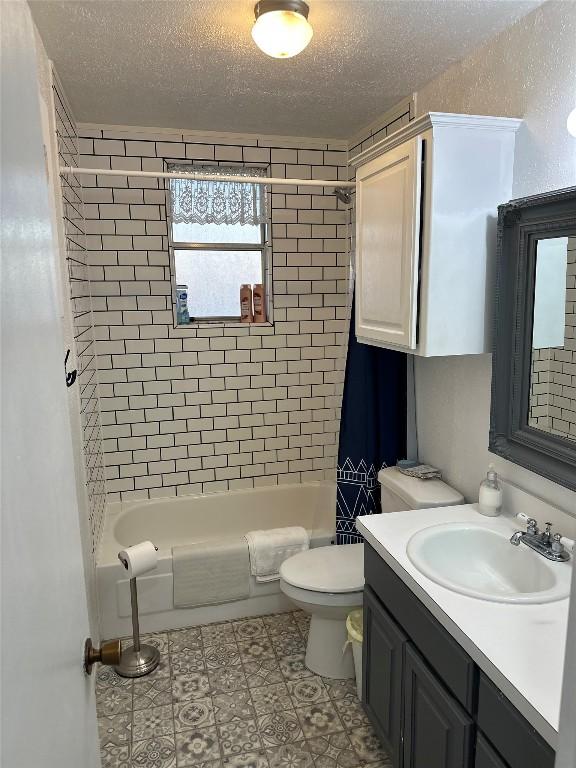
x=419, y=494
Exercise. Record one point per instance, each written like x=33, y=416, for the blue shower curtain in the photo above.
x=372, y=430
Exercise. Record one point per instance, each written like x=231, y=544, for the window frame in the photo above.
x=264, y=246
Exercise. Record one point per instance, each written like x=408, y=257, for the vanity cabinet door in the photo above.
x=486, y=756
x=438, y=732
x=382, y=674
x=388, y=246
x=510, y=733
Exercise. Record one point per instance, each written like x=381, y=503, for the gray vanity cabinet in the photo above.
x=510, y=734
x=418, y=721
x=438, y=733
x=384, y=643
x=486, y=756
x=428, y=701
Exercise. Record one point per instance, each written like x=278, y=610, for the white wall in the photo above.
x=528, y=71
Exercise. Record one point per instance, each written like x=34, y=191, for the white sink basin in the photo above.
x=478, y=561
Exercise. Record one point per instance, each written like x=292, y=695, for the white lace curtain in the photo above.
x=218, y=202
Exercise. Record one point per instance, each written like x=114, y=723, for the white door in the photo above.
x=387, y=246
x=48, y=710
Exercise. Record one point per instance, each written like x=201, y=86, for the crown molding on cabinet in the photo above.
x=434, y=120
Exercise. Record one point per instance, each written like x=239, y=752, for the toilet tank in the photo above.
x=399, y=492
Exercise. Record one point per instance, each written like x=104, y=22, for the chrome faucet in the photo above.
x=545, y=543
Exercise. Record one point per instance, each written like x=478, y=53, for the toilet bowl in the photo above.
x=328, y=582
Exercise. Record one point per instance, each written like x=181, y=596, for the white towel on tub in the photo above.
x=269, y=549
x=211, y=572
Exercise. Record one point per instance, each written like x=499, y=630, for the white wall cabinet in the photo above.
x=388, y=195
x=426, y=210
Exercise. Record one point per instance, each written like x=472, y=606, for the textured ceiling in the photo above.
x=192, y=64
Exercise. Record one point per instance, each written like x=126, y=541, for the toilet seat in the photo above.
x=328, y=583
x=331, y=570
x=312, y=600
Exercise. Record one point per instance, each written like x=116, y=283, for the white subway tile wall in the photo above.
x=389, y=122
x=208, y=408
x=79, y=290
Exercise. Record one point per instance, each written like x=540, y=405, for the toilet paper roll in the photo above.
x=139, y=559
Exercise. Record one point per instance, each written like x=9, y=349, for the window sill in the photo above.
x=218, y=325
x=223, y=324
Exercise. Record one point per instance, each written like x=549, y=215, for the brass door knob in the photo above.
x=108, y=654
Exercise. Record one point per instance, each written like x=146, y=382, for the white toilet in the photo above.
x=328, y=582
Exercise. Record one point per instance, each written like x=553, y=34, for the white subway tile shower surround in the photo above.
x=79, y=291
x=391, y=121
x=208, y=408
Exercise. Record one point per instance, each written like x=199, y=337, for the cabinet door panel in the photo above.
x=512, y=735
x=382, y=674
x=443, y=654
x=437, y=731
x=486, y=756
x=388, y=246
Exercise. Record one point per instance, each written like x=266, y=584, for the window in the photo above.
x=218, y=240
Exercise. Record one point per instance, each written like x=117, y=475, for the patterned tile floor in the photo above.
x=234, y=695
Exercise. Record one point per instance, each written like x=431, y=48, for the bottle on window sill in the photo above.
x=259, y=303
x=182, y=316
x=246, y=315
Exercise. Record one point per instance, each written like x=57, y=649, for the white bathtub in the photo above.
x=187, y=519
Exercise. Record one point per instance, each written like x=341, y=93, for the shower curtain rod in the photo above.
x=70, y=170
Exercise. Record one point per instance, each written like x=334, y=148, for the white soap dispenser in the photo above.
x=490, y=496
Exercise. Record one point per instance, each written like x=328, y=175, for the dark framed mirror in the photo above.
x=533, y=412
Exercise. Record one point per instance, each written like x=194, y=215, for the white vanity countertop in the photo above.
x=519, y=647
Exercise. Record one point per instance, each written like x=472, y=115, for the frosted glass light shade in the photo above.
x=281, y=34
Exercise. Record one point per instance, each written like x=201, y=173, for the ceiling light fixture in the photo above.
x=281, y=28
